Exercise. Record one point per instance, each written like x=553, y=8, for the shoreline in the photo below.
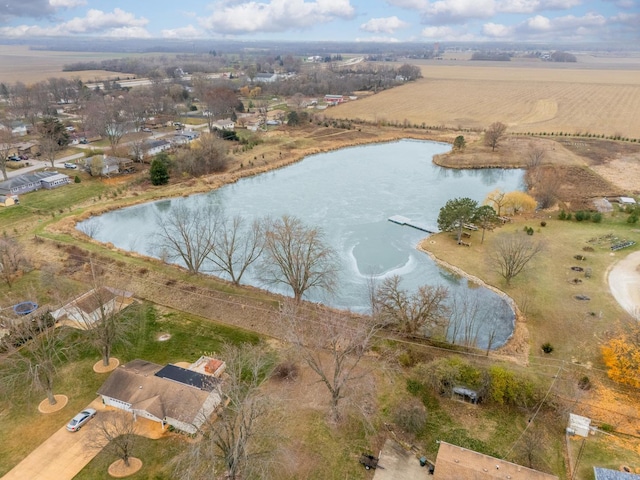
x=517, y=345
x=515, y=348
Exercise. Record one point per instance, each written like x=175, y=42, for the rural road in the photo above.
x=624, y=283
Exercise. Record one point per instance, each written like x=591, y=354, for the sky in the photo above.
x=426, y=21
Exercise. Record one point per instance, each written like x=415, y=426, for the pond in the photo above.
x=351, y=193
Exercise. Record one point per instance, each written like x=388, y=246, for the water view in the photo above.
x=350, y=194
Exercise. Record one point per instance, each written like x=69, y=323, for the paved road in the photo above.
x=40, y=164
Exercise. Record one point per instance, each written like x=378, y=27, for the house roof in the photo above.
x=156, y=143
x=137, y=384
x=53, y=178
x=455, y=462
x=188, y=377
x=606, y=474
x=26, y=179
x=94, y=299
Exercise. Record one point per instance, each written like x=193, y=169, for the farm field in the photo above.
x=534, y=99
x=20, y=64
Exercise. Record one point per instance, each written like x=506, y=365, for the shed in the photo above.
x=466, y=394
x=6, y=201
x=627, y=201
x=578, y=425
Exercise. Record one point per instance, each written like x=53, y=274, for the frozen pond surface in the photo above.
x=350, y=194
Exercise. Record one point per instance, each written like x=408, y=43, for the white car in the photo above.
x=80, y=419
x=72, y=166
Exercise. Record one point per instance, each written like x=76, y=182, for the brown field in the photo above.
x=592, y=98
x=20, y=64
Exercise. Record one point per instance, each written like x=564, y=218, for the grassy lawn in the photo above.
x=190, y=337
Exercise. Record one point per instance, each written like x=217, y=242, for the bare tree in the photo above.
x=234, y=439
x=333, y=345
x=36, y=349
x=423, y=311
x=219, y=101
x=53, y=138
x=511, y=254
x=117, y=434
x=107, y=116
x=535, y=156
x=208, y=156
x=494, y=134
x=12, y=259
x=105, y=325
x=186, y=234
x=297, y=256
x=497, y=199
x=6, y=140
x=236, y=247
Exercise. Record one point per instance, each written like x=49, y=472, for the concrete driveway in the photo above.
x=64, y=454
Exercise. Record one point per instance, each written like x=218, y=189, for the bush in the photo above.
x=530, y=231
x=547, y=347
x=605, y=427
x=286, y=370
x=410, y=415
x=584, y=383
x=596, y=217
x=562, y=215
x=543, y=224
x=76, y=179
x=632, y=218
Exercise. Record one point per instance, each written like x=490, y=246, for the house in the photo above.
x=154, y=147
x=606, y=474
x=107, y=165
x=224, y=124
x=30, y=182
x=18, y=129
x=55, y=181
x=265, y=77
x=171, y=395
x=455, y=463
x=334, y=99
x=90, y=307
x=184, y=137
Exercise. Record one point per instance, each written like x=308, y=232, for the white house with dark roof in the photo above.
x=30, y=182
x=154, y=147
x=171, y=395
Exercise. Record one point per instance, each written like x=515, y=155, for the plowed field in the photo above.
x=527, y=99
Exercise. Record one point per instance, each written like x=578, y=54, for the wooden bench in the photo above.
x=466, y=235
x=465, y=244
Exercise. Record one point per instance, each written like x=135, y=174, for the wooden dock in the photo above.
x=400, y=220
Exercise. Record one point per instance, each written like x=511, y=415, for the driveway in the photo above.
x=64, y=454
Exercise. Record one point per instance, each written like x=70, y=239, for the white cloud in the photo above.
x=538, y=23
x=67, y=3
x=96, y=22
x=183, y=32
x=459, y=10
x=383, y=25
x=378, y=39
x=410, y=4
x=239, y=17
x=446, y=33
x=496, y=30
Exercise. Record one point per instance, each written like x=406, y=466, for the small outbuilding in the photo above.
x=578, y=425
x=627, y=201
x=7, y=201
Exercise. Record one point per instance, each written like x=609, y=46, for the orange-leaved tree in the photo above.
x=621, y=355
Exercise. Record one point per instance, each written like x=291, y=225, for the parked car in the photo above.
x=147, y=130
x=14, y=158
x=80, y=419
x=70, y=165
x=84, y=141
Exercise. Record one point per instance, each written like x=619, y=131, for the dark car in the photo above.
x=80, y=419
x=14, y=158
